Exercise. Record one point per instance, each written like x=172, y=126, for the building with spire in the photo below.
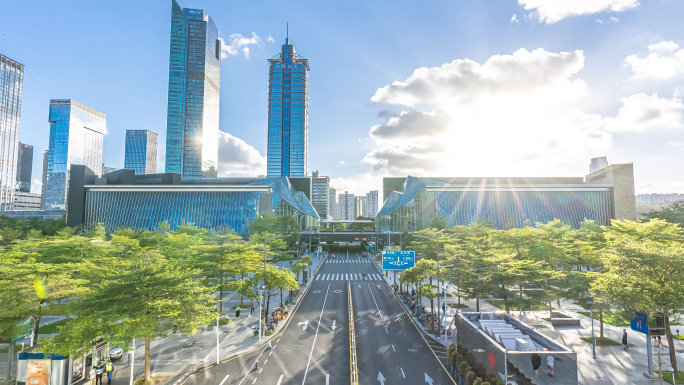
x=192, y=123
x=288, y=113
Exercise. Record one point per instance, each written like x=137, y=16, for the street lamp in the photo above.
x=439, y=329
x=219, y=316
x=593, y=338
x=261, y=293
x=671, y=370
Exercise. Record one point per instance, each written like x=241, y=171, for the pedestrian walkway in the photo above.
x=348, y=277
x=350, y=260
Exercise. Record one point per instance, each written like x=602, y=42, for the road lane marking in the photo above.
x=260, y=369
x=402, y=372
x=265, y=361
x=393, y=349
x=327, y=379
x=269, y=354
x=386, y=331
x=280, y=379
x=316, y=335
x=254, y=381
x=376, y=302
x=318, y=277
x=224, y=379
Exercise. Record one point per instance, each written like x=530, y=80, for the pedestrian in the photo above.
x=549, y=365
x=252, y=307
x=175, y=328
x=98, y=374
x=660, y=342
x=624, y=340
x=109, y=368
x=535, y=360
x=237, y=312
x=92, y=375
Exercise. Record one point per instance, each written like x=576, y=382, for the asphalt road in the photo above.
x=314, y=346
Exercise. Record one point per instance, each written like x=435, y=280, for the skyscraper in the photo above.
x=372, y=206
x=11, y=87
x=332, y=203
x=359, y=207
x=24, y=167
x=141, y=151
x=288, y=113
x=43, y=186
x=192, y=123
x=346, y=206
x=76, y=136
x=319, y=194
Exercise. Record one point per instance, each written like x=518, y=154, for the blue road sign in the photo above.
x=640, y=323
x=398, y=259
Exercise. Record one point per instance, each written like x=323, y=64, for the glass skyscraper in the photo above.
x=76, y=136
x=11, y=86
x=141, y=151
x=192, y=124
x=24, y=167
x=288, y=113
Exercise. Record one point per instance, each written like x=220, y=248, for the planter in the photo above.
x=461, y=380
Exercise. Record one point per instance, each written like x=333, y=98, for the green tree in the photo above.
x=672, y=214
x=644, y=270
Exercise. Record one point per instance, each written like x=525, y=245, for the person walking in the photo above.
x=549, y=365
x=92, y=375
x=660, y=342
x=237, y=312
x=109, y=368
x=535, y=360
x=98, y=374
x=624, y=340
x=252, y=307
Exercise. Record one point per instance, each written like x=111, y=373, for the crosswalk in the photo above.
x=348, y=277
x=348, y=261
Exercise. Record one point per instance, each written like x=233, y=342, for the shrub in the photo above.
x=463, y=368
x=470, y=358
x=454, y=359
x=459, y=359
x=485, y=383
x=452, y=347
x=470, y=377
x=478, y=381
x=141, y=381
x=479, y=370
x=459, y=347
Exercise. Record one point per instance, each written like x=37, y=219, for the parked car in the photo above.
x=115, y=354
x=364, y=254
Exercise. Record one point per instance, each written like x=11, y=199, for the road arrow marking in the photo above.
x=316, y=291
x=334, y=327
x=305, y=323
x=378, y=286
x=381, y=378
x=428, y=379
x=338, y=291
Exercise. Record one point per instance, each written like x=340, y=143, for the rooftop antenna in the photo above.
x=287, y=43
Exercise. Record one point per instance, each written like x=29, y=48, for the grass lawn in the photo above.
x=243, y=306
x=678, y=337
x=600, y=341
x=614, y=318
x=458, y=306
x=225, y=321
x=535, y=305
x=667, y=377
x=52, y=328
x=4, y=349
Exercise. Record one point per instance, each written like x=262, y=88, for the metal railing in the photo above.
x=352, y=341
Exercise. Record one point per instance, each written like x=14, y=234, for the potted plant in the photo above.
x=454, y=361
x=470, y=378
x=463, y=368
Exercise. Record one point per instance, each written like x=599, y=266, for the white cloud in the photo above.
x=36, y=186
x=514, y=19
x=664, y=61
x=357, y=184
x=643, y=112
x=509, y=116
x=236, y=42
x=609, y=20
x=237, y=158
x=342, y=163
x=270, y=39
x=552, y=11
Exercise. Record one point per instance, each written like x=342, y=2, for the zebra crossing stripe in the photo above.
x=318, y=277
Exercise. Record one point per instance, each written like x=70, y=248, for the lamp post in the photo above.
x=439, y=329
x=671, y=370
x=218, y=316
x=261, y=292
x=593, y=338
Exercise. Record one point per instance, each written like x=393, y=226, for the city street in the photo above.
x=314, y=347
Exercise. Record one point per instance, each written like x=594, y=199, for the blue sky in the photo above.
x=535, y=95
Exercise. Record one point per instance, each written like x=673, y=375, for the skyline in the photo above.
x=598, y=83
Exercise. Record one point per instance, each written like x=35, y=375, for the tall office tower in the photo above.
x=319, y=194
x=332, y=203
x=24, y=167
x=192, y=123
x=359, y=207
x=11, y=86
x=43, y=186
x=141, y=151
x=372, y=204
x=346, y=206
x=288, y=113
x=76, y=135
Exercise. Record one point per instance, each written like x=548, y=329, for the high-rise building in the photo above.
x=346, y=206
x=372, y=204
x=359, y=207
x=332, y=203
x=141, y=151
x=288, y=113
x=319, y=194
x=192, y=123
x=76, y=136
x=43, y=185
x=24, y=167
x=26, y=201
x=11, y=88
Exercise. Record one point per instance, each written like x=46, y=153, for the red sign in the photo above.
x=356, y=239
x=492, y=360
x=364, y=239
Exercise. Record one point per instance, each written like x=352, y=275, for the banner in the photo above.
x=38, y=372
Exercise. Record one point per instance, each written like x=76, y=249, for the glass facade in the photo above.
x=506, y=206
x=24, y=168
x=141, y=151
x=76, y=136
x=288, y=114
x=193, y=101
x=11, y=88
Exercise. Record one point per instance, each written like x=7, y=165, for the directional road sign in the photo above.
x=398, y=259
